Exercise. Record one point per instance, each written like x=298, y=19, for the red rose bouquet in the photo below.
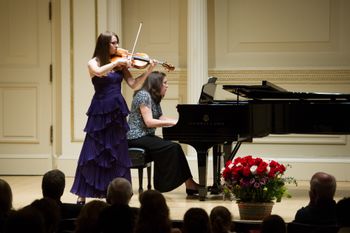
x=252, y=179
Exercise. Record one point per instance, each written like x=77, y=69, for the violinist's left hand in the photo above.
x=152, y=64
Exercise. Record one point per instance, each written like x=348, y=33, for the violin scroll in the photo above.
x=167, y=66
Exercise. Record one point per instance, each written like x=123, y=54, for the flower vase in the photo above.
x=254, y=210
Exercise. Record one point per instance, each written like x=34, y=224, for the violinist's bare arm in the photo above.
x=135, y=82
x=100, y=71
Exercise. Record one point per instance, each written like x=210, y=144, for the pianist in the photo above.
x=170, y=164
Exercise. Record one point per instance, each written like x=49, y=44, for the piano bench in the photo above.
x=140, y=161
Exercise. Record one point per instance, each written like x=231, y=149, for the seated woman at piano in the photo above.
x=170, y=164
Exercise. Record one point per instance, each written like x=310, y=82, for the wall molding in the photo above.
x=304, y=76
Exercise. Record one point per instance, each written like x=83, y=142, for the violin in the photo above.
x=139, y=60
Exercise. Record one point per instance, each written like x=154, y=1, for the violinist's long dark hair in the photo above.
x=153, y=85
x=102, y=47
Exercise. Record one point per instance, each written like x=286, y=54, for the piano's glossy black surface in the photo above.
x=266, y=109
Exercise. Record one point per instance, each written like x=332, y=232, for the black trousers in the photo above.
x=170, y=164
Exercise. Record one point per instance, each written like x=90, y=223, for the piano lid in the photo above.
x=269, y=90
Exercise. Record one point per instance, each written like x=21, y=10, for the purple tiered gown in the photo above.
x=104, y=154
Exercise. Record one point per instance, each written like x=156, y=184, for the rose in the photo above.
x=255, y=179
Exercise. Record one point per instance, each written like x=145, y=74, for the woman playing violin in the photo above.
x=104, y=154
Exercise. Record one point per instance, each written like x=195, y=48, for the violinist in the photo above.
x=104, y=154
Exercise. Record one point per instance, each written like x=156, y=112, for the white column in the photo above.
x=109, y=16
x=197, y=48
x=114, y=8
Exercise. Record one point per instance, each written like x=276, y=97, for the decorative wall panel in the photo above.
x=19, y=114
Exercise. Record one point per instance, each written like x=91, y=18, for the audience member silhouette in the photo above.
x=221, y=220
x=154, y=214
x=119, y=217
x=196, y=220
x=321, y=208
x=50, y=210
x=119, y=191
x=5, y=202
x=87, y=221
x=343, y=215
x=273, y=224
x=28, y=219
x=53, y=184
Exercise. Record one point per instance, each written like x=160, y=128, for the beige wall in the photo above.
x=274, y=34
x=299, y=45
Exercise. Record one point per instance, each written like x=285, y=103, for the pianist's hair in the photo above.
x=153, y=85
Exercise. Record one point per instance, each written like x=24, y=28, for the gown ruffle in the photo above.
x=104, y=154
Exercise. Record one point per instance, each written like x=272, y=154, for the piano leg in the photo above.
x=219, y=151
x=227, y=148
x=202, y=158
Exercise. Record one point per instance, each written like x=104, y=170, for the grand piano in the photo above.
x=256, y=111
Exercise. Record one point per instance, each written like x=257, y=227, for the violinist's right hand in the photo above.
x=121, y=63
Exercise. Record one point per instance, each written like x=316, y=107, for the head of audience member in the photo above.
x=27, y=219
x=153, y=214
x=343, y=212
x=53, y=184
x=196, y=220
x=5, y=198
x=273, y=224
x=322, y=188
x=87, y=220
x=220, y=219
x=50, y=211
x=119, y=191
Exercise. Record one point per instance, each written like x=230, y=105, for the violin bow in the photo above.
x=137, y=37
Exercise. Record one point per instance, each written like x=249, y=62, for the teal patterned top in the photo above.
x=137, y=126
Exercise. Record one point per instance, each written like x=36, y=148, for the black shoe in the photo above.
x=191, y=192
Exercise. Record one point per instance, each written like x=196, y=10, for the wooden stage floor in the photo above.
x=28, y=188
